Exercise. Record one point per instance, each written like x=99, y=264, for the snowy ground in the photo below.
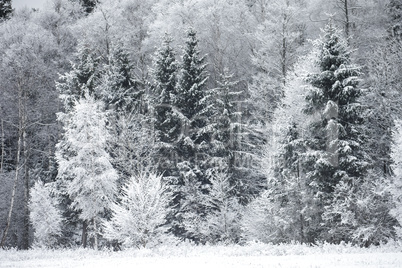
x=256, y=255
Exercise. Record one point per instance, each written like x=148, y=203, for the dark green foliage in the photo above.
x=191, y=100
x=82, y=79
x=336, y=136
x=118, y=88
x=395, y=19
x=5, y=9
x=338, y=162
x=89, y=5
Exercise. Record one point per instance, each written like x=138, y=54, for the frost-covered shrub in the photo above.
x=222, y=224
x=261, y=221
x=45, y=216
x=396, y=188
x=138, y=220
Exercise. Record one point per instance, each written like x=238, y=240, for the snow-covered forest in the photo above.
x=142, y=124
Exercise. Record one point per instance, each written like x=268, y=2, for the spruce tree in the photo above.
x=193, y=145
x=226, y=113
x=336, y=162
x=117, y=85
x=167, y=123
x=81, y=79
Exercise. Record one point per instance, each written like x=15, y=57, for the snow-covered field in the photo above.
x=255, y=255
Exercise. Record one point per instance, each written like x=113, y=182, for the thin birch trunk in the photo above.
x=10, y=212
x=2, y=146
x=25, y=240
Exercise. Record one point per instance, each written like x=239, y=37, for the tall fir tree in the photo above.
x=167, y=122
x=193, y=145
x=234, y=142
x=337, y=161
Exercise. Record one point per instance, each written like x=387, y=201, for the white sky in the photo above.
x=28, y=3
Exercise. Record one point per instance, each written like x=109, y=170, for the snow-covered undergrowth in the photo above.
x=251, y=255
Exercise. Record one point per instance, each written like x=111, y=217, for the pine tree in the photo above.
x=86, y=174
x=5, y=9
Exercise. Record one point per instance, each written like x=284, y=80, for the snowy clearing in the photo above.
x=256, y=255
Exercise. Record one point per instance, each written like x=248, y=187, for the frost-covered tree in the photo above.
x=86, y=173
x=284, y=209
x=45, y=216
x=139, y=219
x=29, y=66
x=192, y=82
x=130, y=146
x=226, y=134
x=193, y=147
x=281, y=36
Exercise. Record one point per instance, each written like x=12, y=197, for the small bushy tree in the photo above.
x=45, y=216
x=139, y=219
x=222, y=224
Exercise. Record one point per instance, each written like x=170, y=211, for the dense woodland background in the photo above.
x=131, y=123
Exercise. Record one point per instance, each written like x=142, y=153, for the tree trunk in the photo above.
x=25, y=237
x=95, y=235
x=17, y=168
x=84, y=237
x=2, y=146
x=347, y=21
